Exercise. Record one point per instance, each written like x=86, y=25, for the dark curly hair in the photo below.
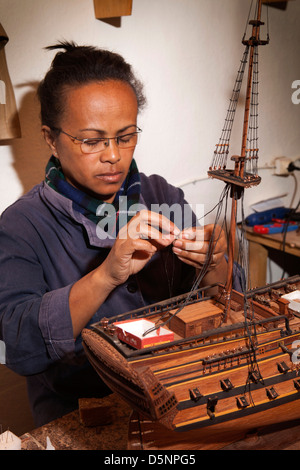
x=79, y=65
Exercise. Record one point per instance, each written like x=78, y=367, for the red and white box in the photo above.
x=131, y=332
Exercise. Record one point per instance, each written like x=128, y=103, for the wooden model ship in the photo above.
x=231, y=363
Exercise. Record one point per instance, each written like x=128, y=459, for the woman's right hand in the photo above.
x=136, y=243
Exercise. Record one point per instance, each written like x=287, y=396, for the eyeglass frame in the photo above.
x=103, y=139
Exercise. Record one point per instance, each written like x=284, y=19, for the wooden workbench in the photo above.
x=68, y=433
x=259, y=246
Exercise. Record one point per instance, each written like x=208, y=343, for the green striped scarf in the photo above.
x=90, y=207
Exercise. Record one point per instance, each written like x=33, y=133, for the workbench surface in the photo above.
x=68, y=433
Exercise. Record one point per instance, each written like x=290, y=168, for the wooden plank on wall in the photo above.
x=281, y=4
x=112, y=8
x=9, y=118
x=275, y=1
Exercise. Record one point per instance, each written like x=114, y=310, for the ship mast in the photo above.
x=239, y=178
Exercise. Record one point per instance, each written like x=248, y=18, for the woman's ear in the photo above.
x=50, y=138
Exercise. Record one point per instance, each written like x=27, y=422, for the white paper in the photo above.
x=49, y=445
x=139, y=327
x=292, y=296
x=268, y=204
x=9, y=441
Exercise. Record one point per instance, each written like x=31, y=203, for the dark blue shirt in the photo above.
x=45, y=247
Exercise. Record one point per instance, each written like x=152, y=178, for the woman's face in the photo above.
x=106, y=109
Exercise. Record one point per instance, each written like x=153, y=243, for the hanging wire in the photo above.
x=247, y=22
x=284, y=234
x=268, y=32
x=249, y=318
x=211, y=247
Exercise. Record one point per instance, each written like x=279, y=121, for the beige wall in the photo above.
x=187, y=52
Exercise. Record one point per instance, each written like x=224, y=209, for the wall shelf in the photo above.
x=281, y=4
x=112, y=8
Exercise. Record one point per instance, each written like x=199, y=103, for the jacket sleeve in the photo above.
x=32, y=342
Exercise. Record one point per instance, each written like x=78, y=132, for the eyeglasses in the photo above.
x=94, y=145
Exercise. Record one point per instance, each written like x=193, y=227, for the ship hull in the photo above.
x=225, y=381
x=147, y=435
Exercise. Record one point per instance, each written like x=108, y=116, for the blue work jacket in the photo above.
x=45, y=247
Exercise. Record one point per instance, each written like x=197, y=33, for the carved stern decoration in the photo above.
x=144, y=392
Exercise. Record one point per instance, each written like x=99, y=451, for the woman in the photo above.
x=85, y=243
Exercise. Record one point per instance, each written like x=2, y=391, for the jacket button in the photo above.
x=131, y=287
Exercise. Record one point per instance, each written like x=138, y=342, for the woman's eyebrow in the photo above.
x=126, y=128
x=102, y=132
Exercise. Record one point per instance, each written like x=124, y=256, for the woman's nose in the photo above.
x=112, y=152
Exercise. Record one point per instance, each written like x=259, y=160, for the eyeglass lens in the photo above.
x=97, y=145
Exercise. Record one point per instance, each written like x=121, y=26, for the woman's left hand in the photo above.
x=193, y=243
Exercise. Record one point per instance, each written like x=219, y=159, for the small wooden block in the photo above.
x=93, y=413
x=196, y=318
x=112, y=8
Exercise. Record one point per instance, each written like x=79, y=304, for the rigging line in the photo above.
x=222, y=148
x=268, y=35
x=165, y=257
x=223, y=195
x=247, y=22
x=227, y=231
x=202, y=272
x=243, y=290
x=170, y=284
x=242, y=250
x=244, y=264
x=195, y=285
x=243, y=258
x=295, y=210
x=291, y=212
x=252, y=134
x=250, y=327
x=225, y=218
x=295, y=190
x=256, y=8
x=284, y=245
x=212, y=245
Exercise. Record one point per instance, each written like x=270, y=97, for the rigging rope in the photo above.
x=219, y=162
x=222, y=148
x=252, y=135
x=211, y=246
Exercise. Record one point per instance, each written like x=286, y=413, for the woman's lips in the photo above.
x=110, y=177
